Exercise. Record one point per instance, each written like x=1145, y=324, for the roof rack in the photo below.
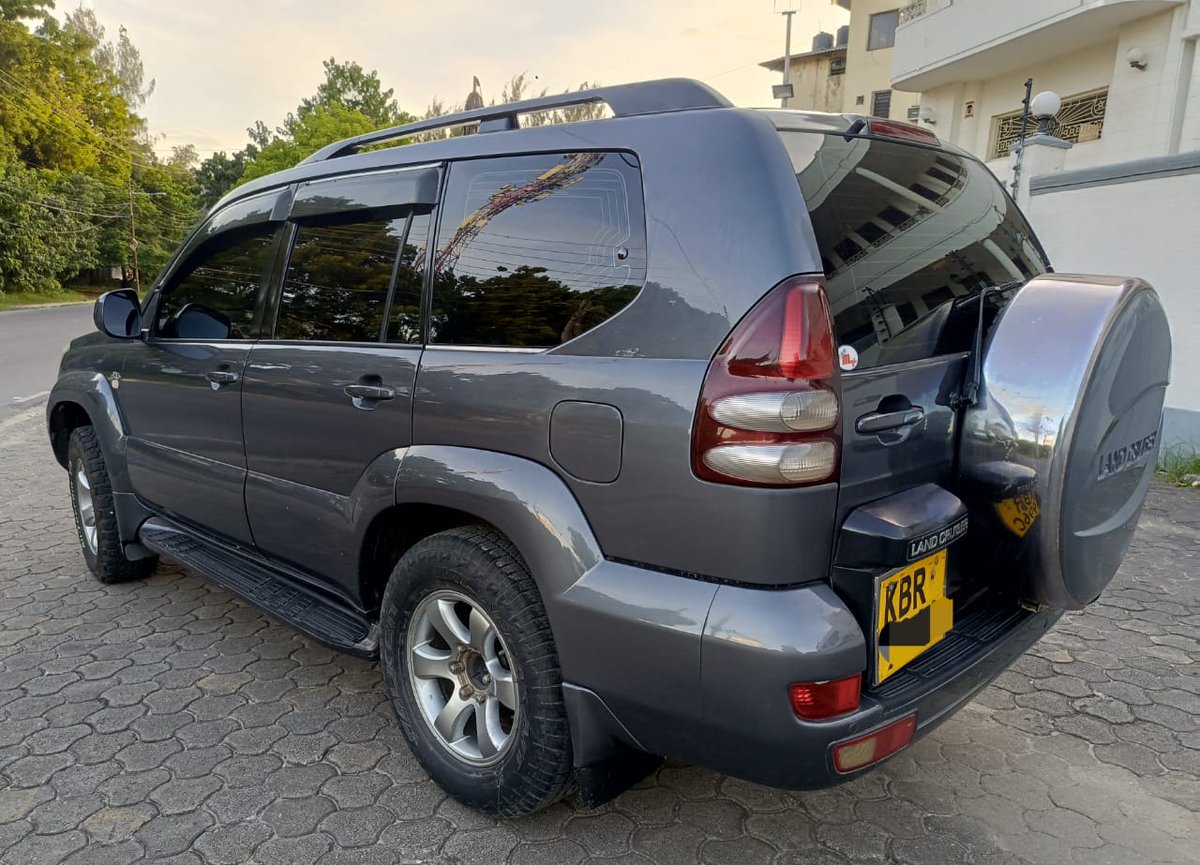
x=625, y=100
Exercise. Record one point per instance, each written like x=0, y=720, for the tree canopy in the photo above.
x=80, y=176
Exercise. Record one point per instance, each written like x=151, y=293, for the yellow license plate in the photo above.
x=1019, y=513
x=912, y=613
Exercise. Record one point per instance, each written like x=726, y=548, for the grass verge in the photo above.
x=1179, y=465
x=19, y=299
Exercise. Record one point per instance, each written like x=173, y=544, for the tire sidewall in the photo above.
x=76, y=460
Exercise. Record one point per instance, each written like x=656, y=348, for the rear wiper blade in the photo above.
x=973, y=379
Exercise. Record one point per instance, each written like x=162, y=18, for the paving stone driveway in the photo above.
x=163, y=721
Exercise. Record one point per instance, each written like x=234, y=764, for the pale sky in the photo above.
x=222, y=64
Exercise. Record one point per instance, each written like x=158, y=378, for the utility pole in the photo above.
x=1016, y=175
x=787, y=54
x=133, y=244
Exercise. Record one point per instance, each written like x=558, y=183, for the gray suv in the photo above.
x=761, y=439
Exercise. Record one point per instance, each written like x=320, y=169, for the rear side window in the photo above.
x=215, y=293
x=536, y=250
x=908, y=237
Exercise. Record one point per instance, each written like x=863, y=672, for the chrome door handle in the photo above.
x=221, y=376
x=882, y=421
x=369, y=391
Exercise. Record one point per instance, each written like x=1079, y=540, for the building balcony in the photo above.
x=940, y=42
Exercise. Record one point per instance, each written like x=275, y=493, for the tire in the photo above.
x=95, y=516
x=447, y=575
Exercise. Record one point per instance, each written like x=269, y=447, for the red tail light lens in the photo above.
x=816, y=701
x=855, y=754
x=768, y=411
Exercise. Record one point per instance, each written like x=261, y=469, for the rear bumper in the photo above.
x=701, y=672
x=798, y=754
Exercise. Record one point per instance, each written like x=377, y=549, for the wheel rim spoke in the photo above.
x=505, y=688
x=481, y=632
x=431, y=663
x=453, y=718
x=86, y=508
x=490, y=734
x=446, y=622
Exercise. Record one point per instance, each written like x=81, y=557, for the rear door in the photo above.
x=910, y=238
x=329, y=387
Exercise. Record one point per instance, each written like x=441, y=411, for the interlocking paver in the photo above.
x=164, y=721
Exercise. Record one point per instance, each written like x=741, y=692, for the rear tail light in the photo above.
x=855, y=754
x=816, y=701
x=769, y=412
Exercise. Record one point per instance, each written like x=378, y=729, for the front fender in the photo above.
x=92, y=392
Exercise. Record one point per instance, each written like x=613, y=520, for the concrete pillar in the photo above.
x=1044, y=154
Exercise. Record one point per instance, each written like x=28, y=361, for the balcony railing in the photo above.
x=917, y=8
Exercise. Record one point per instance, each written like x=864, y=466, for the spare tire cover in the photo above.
x=1074, y=378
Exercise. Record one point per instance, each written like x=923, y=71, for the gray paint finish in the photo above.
x=585, y=440
x=657, y=511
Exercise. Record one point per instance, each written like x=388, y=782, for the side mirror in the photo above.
x=118, y=314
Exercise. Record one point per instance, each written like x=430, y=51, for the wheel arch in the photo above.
x=64, y=418
x=441, y=487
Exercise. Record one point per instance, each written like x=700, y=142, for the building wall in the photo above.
x=1143, y=228
x=1075, y=73
x=869, y=71
x=815, y=89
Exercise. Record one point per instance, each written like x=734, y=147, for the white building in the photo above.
x=1125, y=198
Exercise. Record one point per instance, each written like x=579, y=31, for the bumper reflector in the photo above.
x=816, y=701
x=855, y=754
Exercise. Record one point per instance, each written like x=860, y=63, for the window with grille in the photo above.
x=1081, y=118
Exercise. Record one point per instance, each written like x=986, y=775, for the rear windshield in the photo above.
x=908, y=237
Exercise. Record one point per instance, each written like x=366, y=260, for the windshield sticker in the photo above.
x=847, y=357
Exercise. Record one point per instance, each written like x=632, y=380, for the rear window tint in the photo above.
x=907, y=235
x=536, y=250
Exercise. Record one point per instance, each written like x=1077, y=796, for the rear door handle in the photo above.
x=882, y=421
x=221, y=376
x=370, y=391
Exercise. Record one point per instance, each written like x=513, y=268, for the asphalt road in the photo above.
x=31, y=342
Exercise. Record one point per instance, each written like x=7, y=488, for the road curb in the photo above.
x=48, y=305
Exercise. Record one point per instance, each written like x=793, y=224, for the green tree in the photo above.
x=320, y=126
x=350, y=86
x=121, y=59
x=220, y=173
x=75, y=158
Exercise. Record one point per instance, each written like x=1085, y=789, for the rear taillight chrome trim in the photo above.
x=800, y=463
x=783, y=412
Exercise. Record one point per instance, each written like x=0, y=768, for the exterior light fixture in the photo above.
x=1136, y=58
x=1044, y=106
x=928, y=115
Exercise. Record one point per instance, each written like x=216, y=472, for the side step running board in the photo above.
x=320, y=618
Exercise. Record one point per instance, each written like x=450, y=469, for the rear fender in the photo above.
x=524, y=500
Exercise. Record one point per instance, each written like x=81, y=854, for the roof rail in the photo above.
x=645, y=97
